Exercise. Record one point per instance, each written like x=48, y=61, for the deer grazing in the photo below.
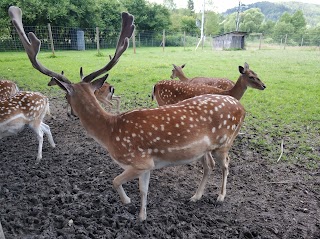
x=25, y=108
x=221, y=83
x=142, y=140
x=7, y=89
x=171, y=91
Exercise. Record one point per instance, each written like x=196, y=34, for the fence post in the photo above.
x=184, y=40
x=51, y=39
x=139, y=41
x=260, y=41
x=134, y=41
x=98, y=40
x=285, y=42
x=163, y=39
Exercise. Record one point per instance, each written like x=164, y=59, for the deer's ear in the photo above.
x=99, y=82
x=246, y=66
x=63, y=85
x=183, y=65
x=241, y=70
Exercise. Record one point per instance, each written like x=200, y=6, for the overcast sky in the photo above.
x=223, y=5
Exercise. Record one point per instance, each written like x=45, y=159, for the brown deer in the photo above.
x=171, y=91
x=7, y=89
x=221, y=83
x=25, y=108
x=142, y=140
x=104, y=95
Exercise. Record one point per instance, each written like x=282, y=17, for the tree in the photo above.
x=299, y=23
x=188, y=24
x=267, y=27
x=282, y=29
x=251, y=20
x=285, y=17
x=159, y=18
x=292, y=25
x=191, y=6
x=229, y=24
x=170, y=4
x=212, y=23
x=148, y=16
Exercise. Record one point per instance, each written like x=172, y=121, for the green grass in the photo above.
x=288, y=109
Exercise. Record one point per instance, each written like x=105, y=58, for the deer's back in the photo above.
x=28, y=105
x=221, y=83
x=7, y=89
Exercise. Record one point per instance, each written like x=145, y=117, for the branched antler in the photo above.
x=123, y=43
x=32, y=47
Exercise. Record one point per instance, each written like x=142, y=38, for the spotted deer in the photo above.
x=221, y=83
x=25, y=108
x=7, y=89
x=104, y=95
x=171, y=91
x=140, y=141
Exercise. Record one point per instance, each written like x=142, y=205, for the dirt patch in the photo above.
x=70, y=195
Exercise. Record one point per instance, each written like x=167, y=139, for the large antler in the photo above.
x=122, y=45
x=32, y=47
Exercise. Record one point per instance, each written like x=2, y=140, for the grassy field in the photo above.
x=287, y=110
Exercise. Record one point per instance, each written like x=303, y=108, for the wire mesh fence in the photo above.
x=69, y=38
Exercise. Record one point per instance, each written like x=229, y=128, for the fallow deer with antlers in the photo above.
x=7, y=89
x=221, y=83
x=171, y=91
x=147, y=139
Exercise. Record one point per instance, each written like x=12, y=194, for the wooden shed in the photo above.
x=230, y=40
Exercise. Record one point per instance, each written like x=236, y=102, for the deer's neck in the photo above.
x=95, y=120
x=238, y=90
x=182, y=77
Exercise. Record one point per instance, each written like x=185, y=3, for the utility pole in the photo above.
x=202, y=26
x=238, y=16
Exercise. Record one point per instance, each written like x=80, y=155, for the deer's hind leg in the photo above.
x=46, y=129
x=36, y=127
x=222, y=158
x=207, y=163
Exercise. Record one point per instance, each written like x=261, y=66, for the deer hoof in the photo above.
x=195, y=198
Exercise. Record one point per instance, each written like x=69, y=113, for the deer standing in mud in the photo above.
x=142, y=140
x=221, y=83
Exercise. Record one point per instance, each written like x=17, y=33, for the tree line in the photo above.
x=156, y=17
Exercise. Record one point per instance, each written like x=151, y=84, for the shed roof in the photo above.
x=233, y=32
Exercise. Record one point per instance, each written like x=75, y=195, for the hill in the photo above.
x=273, y=11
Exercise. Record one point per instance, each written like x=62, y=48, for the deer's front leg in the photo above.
x=128, y=174
x=40, y=139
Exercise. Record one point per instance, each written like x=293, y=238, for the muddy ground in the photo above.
x=69, y=193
